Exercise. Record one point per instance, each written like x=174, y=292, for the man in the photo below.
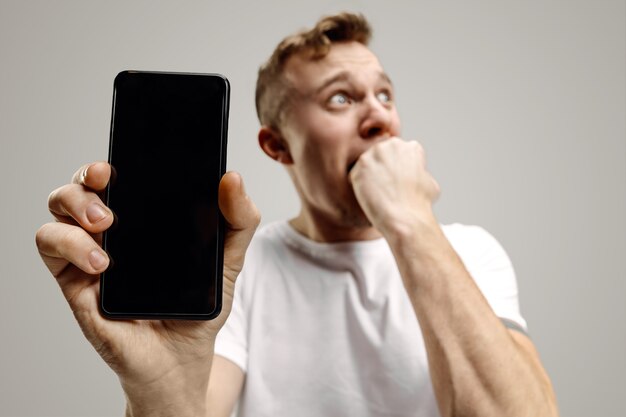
x=361, y=305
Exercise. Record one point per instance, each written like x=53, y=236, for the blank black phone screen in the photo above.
x=167, y=149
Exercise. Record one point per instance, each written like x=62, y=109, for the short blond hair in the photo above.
x=273, y=89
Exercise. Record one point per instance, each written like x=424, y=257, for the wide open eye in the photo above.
x=339, y=99
x=384, y=97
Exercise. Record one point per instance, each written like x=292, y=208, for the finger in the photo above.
x=60, y=244
x=95, y=175
x=437, y=189
x=242, y=217
x=85, y=207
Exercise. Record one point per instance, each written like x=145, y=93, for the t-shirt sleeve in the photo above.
x=492, y=270
x=231, y=341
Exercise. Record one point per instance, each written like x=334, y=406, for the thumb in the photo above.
x=242, y=218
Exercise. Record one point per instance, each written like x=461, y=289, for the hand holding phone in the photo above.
x=171, y=358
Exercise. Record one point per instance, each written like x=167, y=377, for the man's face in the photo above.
x=344, y=104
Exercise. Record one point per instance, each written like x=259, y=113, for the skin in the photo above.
x=356, y=180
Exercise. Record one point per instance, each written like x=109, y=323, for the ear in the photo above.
x=274, y=145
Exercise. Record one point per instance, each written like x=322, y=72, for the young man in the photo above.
x=361, y=305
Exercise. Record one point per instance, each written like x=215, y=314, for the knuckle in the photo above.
x=53, y=196
x=41, y=235
x=436, y=186
x=366, y=156
x=257, y=216
x=59, y=195
x=68, y=199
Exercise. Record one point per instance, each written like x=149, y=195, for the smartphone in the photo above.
x=168, y=153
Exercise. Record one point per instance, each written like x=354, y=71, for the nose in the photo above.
x=376, y=119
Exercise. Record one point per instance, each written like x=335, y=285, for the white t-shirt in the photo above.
x=327, y=329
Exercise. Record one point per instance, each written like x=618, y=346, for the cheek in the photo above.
x=333, y=128
x=327, y=141
x=318, y=160
x=321, y=146
x=323, y=166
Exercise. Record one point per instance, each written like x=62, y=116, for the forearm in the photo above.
x=477, y=368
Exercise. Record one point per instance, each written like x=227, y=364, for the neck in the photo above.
x=321, y=229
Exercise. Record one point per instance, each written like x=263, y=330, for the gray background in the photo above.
x=520, y=105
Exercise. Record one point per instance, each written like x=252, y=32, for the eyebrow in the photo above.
x=345, y=76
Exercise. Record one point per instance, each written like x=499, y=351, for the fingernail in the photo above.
x=242, y=185
x=97, y=259
x=83, y=175
x=95, y=213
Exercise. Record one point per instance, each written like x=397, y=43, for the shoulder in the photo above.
x=490, y=267
x=472, y=240
x=478, y=248
x=465, y=234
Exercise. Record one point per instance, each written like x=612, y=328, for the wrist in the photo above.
x=409, y=229
x=420, y=248
x=168, y=398
x=180, y=392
